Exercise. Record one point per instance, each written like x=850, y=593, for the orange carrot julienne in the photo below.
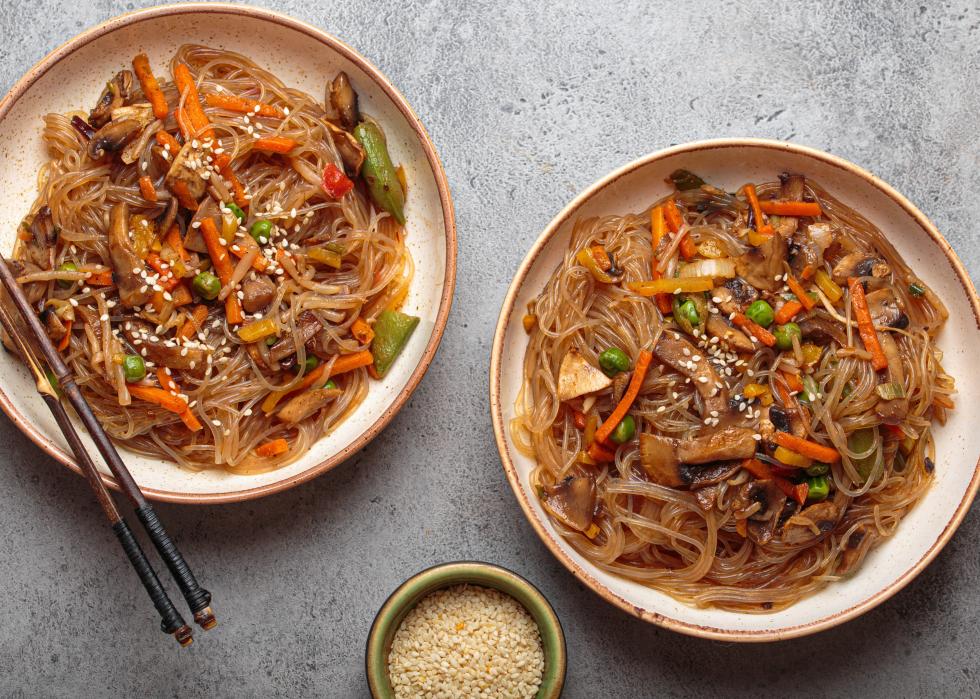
x=183, y=195
x=687, y=247
x=167, y=280
x=578, y=419
x=274, y=144
x=224, y=268
x=166, y=380
x=273, y=448
x=63, y=343
x=159, y=396
x=787, y=311
x=194, y=322
x=658, y=226
x=151, y=88
x=173, y=240
x=349, y=362
x=193, y=111
x=761, y=224
x=167, y=142
x=866, y=327
x=673, y=216
x=362, y=331
x=103, y=278
x=600, y=453
x=147, y=189
x=807, y=448
x=243, y=105
x=793, y=381
x=754, y=329
x=181, y=295
x=632, y=391
x=800, y=292
x=757, y=468
x=242, y=246
x=223, y=162
x=790, y=208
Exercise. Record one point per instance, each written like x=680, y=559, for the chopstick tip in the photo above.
x=184, y=636
x=205, y=619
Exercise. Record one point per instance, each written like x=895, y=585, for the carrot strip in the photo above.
x=866, y=328
x=158, y=396
x=260, y=263
x=103, y=278
x=362, y=331
x=600, y=453
x=578, y=419
x=619, y=412
x=147, y=189
x=755, y=330
x=757, y=468
x=793, y=381
x=761, y=224
x=166, y=380
x=223, y=163
x=349, y=362
x=800, y=292
x=224, y=268
x=688, y=249
x=243, y=105
x=274, y=144
x=173, y=240
x=343, y=364
x=194, y=322
x=658, y=228
x=181, y=295
x=63, y=344
x=167, y=280
x=790, y=208
x=273, y=448
x=183, y=195
x=673, y=216
x=151, y=88
x=805, y=447
x=168, y=142
x=193, y=111
x=787, y=311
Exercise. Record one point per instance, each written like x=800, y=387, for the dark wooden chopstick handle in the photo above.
x=198, y=599
x=170, y=619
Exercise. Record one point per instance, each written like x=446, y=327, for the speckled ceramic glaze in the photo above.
x=404, y=599
x=921, y=535
x=72, y=76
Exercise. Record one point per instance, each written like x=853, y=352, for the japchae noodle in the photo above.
x=220, y=259
x=699, y=429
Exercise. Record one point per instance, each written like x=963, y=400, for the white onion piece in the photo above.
x=723, y=267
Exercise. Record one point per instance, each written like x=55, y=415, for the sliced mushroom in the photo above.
x=808, y=246
x=187, y=168
x=44, y=235
x=307, y=326
x=350, y=150
x=812, y=523
x=126, y=264
x=734, y=295
x=52, y=323
x=619, y=384
x=791, y=190
x=658, y=456
x=765, y=501
x=117, y=91
x=734, y=338
x=674, y=463
x=761, y=265
x=572, y=501
x=821, y=328
x=675, y=351
x=707, y=497
x=142, y=113
x=192, y=360
x=717, y=445
x=257, y=294
x=860, y=264
x=702, y=475
x=344, y=101
x=307, y=403
x=577, y=376
x=113, y=137
x=886, y=309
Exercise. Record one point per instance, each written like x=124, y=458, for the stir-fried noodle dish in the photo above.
x=730, y=397
x=220, y=258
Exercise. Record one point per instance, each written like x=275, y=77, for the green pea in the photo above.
x=624, y=430
x=134, y=368
x=271, y=340
x=819, y=488
x=207, y=285
x=262, y=231
x=690, y=312
x=614, y=360
x=760, y=313
x=237, y=210
x=785, y=334
x=309, y=365
x=331, y=385
x=67, y=267
x=818, y=469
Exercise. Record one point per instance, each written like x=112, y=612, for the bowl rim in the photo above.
x=441, y=575
x=445, y=197
x=500, y=428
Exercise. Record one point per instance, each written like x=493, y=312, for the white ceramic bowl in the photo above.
x=730, y=163
x=72, y=76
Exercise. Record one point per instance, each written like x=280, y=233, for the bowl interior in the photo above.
x=404, y=599
x=730, y=164
x=304, y=58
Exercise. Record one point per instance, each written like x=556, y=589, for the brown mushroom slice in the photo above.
x=791, y=190
x=344, y=101
x=761, y=265
x=186, y=168
x=113, y=137
x=813, y=522
x=126, y=264
x=658, y=456
x=53, y=325
x=619, y=385
x=307, y=326
x=576, y=377
x=192, y=360
x=115, y=94
x=860, y=264
x=733, y=338
x=257, y=294
x=142, y=113
x=886, y=309
x=734, y=295
x=351, y=152
x=808, y=246
x=306, y=403
x=765, y=501
x=572, y=501
x=707, y=497
x=717, y=445
x=44, y=235
x=678, y=353
x=698, y=476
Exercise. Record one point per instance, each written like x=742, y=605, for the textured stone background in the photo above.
x=527, y=102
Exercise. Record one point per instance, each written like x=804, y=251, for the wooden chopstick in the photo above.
x=197, y=598
x=170, y=620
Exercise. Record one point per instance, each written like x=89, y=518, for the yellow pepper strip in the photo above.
x=828, y=286
x=325, y=256
x=258, y=329
x=686, y=285
x=585, y=459
x=593, y=531
x=756, y=238
x=586, y=259
x=757, y=390
x=811, y=353
x=529, y=322
x=791, y=458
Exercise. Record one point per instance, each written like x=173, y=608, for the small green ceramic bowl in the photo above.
x=402, y=600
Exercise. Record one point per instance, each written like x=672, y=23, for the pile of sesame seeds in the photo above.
x=466, y=641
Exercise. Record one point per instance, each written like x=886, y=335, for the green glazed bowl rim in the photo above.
x=408, y=594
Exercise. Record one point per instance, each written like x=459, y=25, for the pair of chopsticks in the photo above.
x=198, y=599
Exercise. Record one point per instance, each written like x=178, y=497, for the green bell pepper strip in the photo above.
x=391, y=331
x=379, y=172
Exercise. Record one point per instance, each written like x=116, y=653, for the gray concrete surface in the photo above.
x=527, y=102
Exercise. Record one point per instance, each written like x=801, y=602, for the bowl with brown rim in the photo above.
x=72, y=76
x=925, y=529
